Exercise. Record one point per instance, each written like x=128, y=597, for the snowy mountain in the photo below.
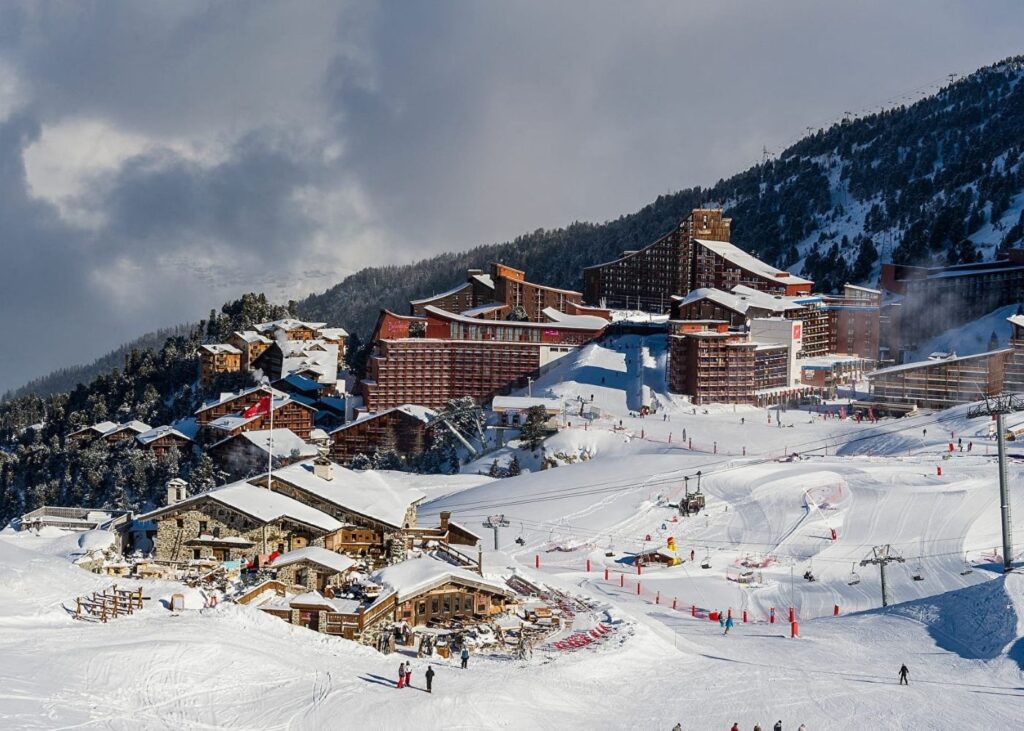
x=940, y=180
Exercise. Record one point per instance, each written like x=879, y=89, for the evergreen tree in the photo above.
x=514, y=468
x=535, y=428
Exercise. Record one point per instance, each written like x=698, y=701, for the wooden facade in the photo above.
x=394, y=429
x=218, y=358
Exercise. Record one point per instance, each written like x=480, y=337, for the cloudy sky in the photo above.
x=159, y=158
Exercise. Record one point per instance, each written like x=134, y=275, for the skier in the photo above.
x=465, y=657
x=401, y=674
x=757, y=727
x=777, y=726
x=692, y=554
x=408, y=674
x=903, y=675
x=678, y=727
x=728, y=624
x=430, y=678
x=735, y=726
x=970, y=445
x=721, y=619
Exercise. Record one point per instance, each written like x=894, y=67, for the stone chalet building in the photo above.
x=307, y=504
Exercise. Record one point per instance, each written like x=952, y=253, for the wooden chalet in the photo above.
x=428, y=591
x=247, y=453
x=402, y=429
x=217, y=358
x=87, y=434
x=251, y=344
x=375, y=515
x=231, y=403
x=126, y=431
x=162, y=439
x=288, y=414
x=233, y=521
x=312, y=568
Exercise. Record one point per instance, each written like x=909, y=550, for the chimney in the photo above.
x=323, y=468
x=177, y=490
x=445, y=517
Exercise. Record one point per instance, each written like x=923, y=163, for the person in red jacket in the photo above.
x=735, y=726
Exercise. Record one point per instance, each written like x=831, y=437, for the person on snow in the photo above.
x=802, y=728
x=678, y=727
x=735, y=726
x=401, y=675
x=721, y=619
x=777, y=726
x=430, y=678
x=465, y=657
x=903, y=675
x=408, y=674
x=757, y=727
x=728, y=624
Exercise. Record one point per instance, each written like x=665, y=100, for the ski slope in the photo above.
x=959, y=629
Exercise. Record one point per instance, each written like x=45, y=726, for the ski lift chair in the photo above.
x=706, y=562
x=854, y=578
x=918, y=575
x=610, y=551
x=520, y=540
x=967, y=569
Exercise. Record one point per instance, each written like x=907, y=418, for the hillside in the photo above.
x=940, y=180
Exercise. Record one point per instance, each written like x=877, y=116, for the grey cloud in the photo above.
x=287, y=143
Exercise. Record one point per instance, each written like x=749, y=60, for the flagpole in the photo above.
x=270, y=454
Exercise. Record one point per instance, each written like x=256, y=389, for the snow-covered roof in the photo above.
x=483, y=309
x=418, y=575
x=419, y=412
x=574, y=322
x=302, y=383
x=766, y=301
x=252, y=337
x=365, y=493
x=740, y=258
x=159, y=431
x=927, y=363
x=287, y=324
x=134, y=425
x=333, y=333
x=447, y=293
x=285, y=442
x=233, y=421
x=1017, y=320
x=220, y=349
x=101, y=427
x=226, y=396
x=522, y=403
x=566, y=322
x=484, y=279
x=257, y=502
x=315, y=554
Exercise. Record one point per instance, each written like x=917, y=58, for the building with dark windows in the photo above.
x=696, y=254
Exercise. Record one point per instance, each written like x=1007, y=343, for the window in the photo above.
x=180, y=523
x=197, y=553
x=202, y=527
x=434, y=606
x=280, y=548
x=216, y=532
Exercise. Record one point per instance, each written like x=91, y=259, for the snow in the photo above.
x=155, y=433
x=368, y=493
x=576, y=322
x=286, y=443
x=973, y=337
x=959, y=633
x=317, y=555
x=418, y=575
x=930, y=362
x=522, y=403
x=738, y=257
x=258, y=502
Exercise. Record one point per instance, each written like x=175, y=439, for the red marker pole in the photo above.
x=744, y=616
x=792, y=614
x=693, y=610
x=588, y=565
x=606, y=573
x=622, y=579
x=657, y=598
x=638, y=588
x=673, y=602
x=835, y=610
x=794, y=629
x=536, y=561
x=771, y=616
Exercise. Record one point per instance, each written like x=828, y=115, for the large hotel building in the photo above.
x=696, y=254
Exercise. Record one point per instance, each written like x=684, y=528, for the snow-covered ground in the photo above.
x=958, y=629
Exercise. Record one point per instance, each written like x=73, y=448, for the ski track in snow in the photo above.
x=233, y=667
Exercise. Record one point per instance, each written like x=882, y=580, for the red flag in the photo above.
x=260, y=408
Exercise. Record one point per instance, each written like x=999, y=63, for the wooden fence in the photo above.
x=108, y=604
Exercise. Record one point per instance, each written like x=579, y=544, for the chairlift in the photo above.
x=809, y=573
x=520, y=540
x=854, y=578
x=610, y=551
x=918, y=575
x=706, y=562
x=967, y=569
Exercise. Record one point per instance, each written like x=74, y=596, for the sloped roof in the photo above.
x=285, y=442
x=516, y=403
x=257, y=502
x=315, y=554
x=740, y=258
x=160, y=431
x=365, y=493
x=417, y=575
x=218, y=348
